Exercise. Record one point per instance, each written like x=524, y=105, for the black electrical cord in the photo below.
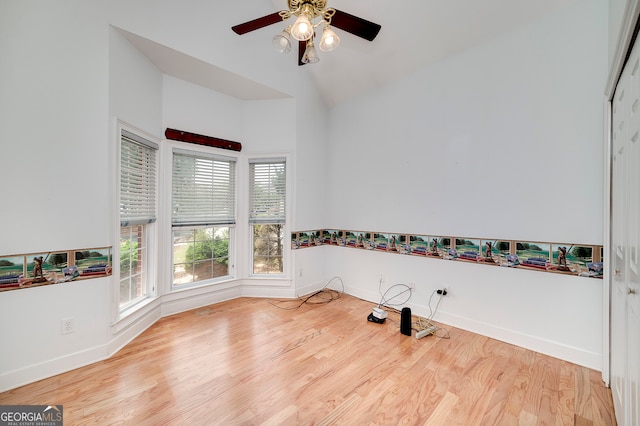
x=325, y=294
x=387, y=302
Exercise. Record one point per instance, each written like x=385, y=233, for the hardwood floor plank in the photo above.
x=247, y=362
x=601, y=399
x=340, y=409
x=503, y=384
x=583, y=394
x=566, y=394
x=441, y=414
x=581, y=421
x=539, y=398
x=527, y=419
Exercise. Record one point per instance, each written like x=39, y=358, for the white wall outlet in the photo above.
x=412, y=284
x=443, y=290
x=67, y=326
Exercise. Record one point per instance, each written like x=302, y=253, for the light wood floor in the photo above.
x=248, y=362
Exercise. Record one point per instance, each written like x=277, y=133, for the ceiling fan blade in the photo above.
x=302, y=46
x=257, y=23
x=355, y=25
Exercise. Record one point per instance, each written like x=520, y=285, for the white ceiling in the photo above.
x=414, y=34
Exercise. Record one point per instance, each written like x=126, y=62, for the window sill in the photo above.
x=132, y=314
x=203, y=284
x=268, y=280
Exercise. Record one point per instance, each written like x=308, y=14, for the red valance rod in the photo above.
x=182, y=136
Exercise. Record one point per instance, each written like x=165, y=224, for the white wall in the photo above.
x=312, y=132
x=502, y=141
x=54, y=129
x=616, y=17
x=135, y=87
x=267, y=126
x=55, y=171
x=192, y=108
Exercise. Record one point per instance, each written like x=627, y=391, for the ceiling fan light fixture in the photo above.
x=329, y=40
x=308, y=16
x=310, y=55
x=281, y=42
x=302, y=30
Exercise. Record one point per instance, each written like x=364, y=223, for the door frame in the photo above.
x=623, y=44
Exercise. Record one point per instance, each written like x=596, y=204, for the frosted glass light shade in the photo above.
x=281, y=42
x=310, y=55
x=302, y=29
x=329, y=40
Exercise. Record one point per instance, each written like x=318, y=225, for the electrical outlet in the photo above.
x=67, y=326
x=443, y=290
x=381, y=278
x=412, y=284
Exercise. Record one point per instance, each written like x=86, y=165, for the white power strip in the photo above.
x=379, y=313
x=427, y=331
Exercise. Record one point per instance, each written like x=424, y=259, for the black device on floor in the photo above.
x=405, y=321
x=372, y=318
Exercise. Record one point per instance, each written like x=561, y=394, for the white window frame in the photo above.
x=204, y=152
x=144, y=247
x=285, y=222
x=151, y=228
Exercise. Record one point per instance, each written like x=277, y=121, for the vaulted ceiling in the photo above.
x=414, y=34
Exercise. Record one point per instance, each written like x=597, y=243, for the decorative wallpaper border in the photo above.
x=37, y=269
x=571, y=259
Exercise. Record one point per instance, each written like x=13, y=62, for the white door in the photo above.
x=618, y=324
x=625, y=244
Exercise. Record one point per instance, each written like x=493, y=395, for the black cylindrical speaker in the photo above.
x=405, y=321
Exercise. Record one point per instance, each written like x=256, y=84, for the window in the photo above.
x=203, y=216
x=267, y=180
x=137, y=214
x=133, y=254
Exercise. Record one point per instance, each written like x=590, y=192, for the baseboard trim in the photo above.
x=309, y=288
x=554, y=349
x=131, y=327
x=175, y=303
x=33, y=373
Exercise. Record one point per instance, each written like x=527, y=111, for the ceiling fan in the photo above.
x=303, y=30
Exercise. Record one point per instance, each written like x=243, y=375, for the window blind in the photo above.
x=203, y=190
x=137, y=180
x=267, y=180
